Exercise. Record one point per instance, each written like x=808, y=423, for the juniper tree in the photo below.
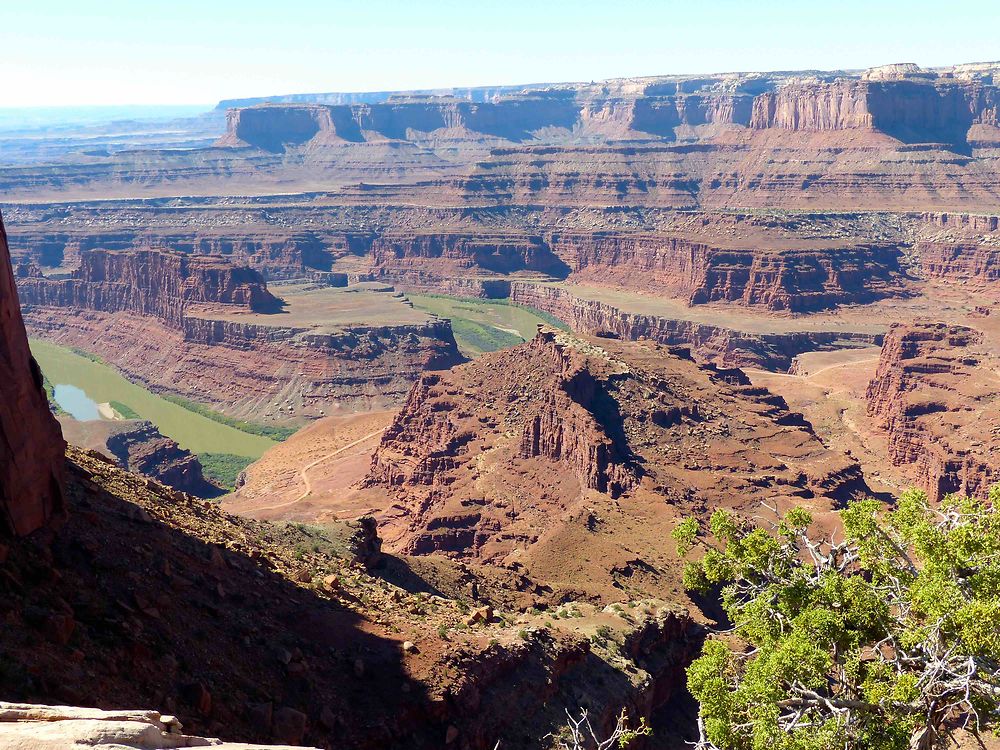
x=885, y=640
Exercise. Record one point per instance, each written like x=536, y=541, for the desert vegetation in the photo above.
x=880, y=636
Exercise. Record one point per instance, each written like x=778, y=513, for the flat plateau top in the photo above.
x=728, y=316
x=309, y=306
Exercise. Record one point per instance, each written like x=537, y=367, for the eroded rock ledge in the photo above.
x=709, y=342
x=936, y=396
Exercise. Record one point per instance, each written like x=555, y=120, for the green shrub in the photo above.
x=126, y=411
x=883, y=638
x=252, y=428
x=223, y=468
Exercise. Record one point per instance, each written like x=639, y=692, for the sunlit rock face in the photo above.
x=31, y=444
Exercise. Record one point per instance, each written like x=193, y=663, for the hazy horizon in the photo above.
x=61, y=54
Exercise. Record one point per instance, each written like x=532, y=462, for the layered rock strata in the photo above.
x=254, y=369
x=909, y=141
x=928, y=106
x=709, y=342
x=140, y=448
x=198, y=326
x=674, y=266
x=961, y=248
x=790, y=280
x=151, y=282
x=31, y=445
x=936, y=395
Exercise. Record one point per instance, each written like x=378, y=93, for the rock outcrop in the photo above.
x=31, y=445
x=26, y=726
x=492, y=459
x=963, y=248
x=140, y=448
x=937, y=397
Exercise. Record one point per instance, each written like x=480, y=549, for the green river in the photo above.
x=101, y=383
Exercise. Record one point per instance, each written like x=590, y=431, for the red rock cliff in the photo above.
x=150, y=282
x=31, y=445
x=962, y=248
x=788, y=280
x=710, y=343
x=936, y=396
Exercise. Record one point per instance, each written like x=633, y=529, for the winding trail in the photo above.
x=305, y=477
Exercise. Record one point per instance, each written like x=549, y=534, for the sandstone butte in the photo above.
x=530, y=454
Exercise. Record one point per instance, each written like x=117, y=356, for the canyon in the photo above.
x=118, y=590
x=199, y=326
x=759, y=291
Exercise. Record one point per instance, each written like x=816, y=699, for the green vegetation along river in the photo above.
x=485, y=325
x=102, y=383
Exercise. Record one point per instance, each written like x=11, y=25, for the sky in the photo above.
x=113, y=52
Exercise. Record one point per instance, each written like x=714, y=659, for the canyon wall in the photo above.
x=198, y=326
x=515, y=117
x=502, y=254
x=969, y=263
x=31, y=445
x=149, y=282
x=787, y=280
x=275, y=254
x=922, y=109
x=249, y=370
x=964, y=248
x=695, y=271
x=935, y=395
x=709, y=342
x=914, y=108
x=910, y=140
